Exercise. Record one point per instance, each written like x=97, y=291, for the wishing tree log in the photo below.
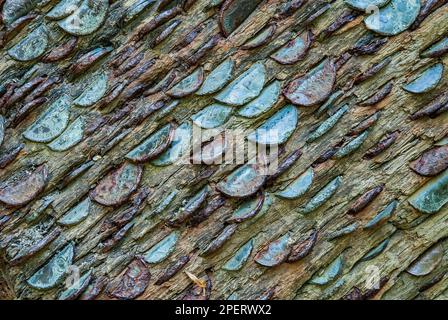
x=103, y=182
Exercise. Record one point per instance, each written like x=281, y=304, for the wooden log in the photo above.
x=118, y=94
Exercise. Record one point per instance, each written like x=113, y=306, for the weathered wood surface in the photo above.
x=117, y=125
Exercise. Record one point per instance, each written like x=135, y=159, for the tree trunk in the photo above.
x=139, y=61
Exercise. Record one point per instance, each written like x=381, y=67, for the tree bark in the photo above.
x=124, y=122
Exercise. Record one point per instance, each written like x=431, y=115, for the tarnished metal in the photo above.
x=303, y=248
x=202, y=140
x=118, y=185
x=365, y=199
x=132, y=283
x=25, y=188
x=432, y=162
